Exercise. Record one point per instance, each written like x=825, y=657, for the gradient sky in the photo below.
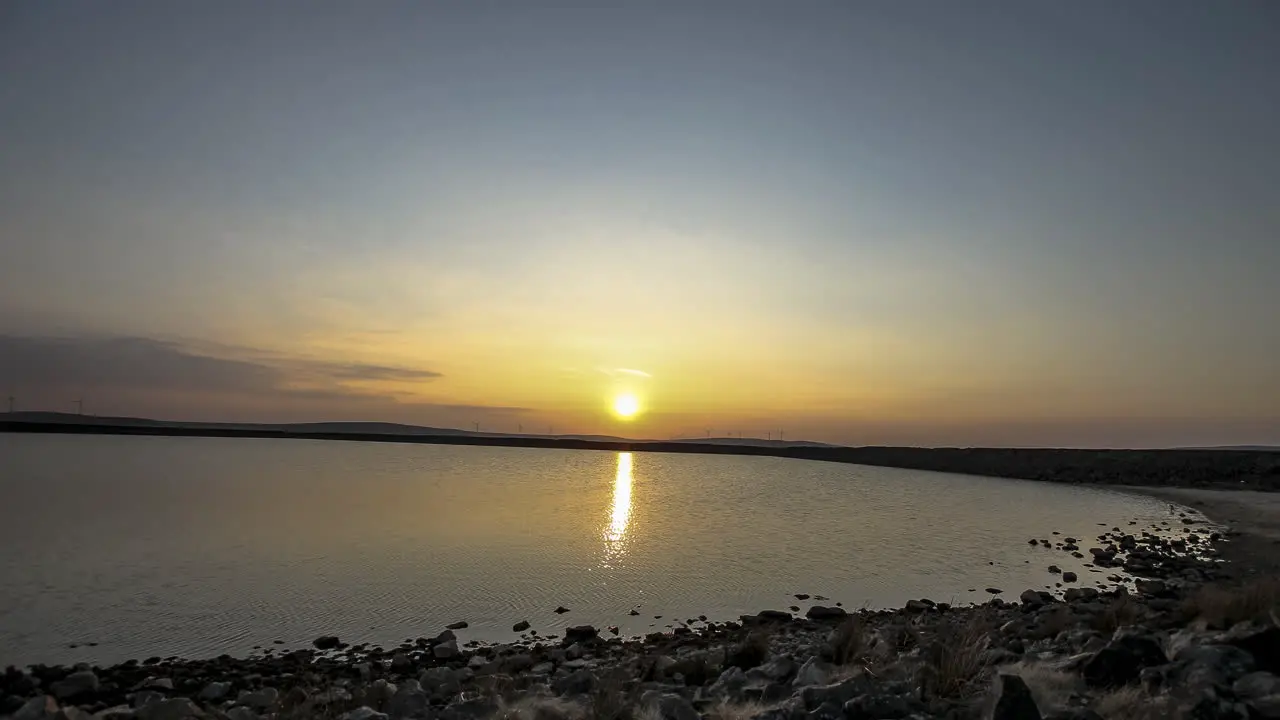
x=1000, y=223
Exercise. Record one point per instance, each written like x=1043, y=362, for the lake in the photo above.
x=198, y=546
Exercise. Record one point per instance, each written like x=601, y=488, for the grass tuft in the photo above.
x=953, y=660
x=849, y=642
x=1223, y=606
x=1122, y=611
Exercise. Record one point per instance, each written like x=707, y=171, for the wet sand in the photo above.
x=1253, y=518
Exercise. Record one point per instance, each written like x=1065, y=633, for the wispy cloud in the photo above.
x=614, y=372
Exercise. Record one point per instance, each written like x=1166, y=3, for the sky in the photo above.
x=984, y=223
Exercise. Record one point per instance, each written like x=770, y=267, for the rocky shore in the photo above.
x=1187, y=639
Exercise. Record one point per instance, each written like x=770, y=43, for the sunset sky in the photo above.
x=941, y=223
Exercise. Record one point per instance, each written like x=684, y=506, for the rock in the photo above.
x=77, y=684
x=71, y=712
x=543, y=668
x=364, y=712
x=836, y=694
x=1266, y=708
x=1031, y=597
x=118, y=712
x=326, y=642
x=400, y=662
x=573, y=652
x=446, y=650
x=1013, y=700
x=916, y=606
x=444, y=636
x=460, y=625
x=474, y=709
x=561, y=610
x=380, y=691
x=819, y=612
x=169, y=709
x=1256, y=685
x=1210, y=666
x=1150, y=587
x=241, y=713
x=146, y=697
x=580, y=634
x=1080, y=594
x=579, y=682
x=994, y=591
x=1263, y=642
x=215, y=691
x=777, y=669
x=1055, y=569
x=1069, y=577
x=409, y=701
x=441, y=681
x=42, y=707
x=163, y=683
x=520, y=626
x=676, y=707
x=771, y=616
x=261, y=699
x=814, y=671
x=1122, y=660
x=999, y=656
x=729, y=685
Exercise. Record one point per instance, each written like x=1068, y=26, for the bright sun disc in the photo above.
x=626, y=405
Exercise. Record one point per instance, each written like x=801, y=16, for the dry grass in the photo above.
x=1120, y=612
x=751, y=652
x=737, y=711
x=1049, y=686
x=1132, y=703
x=539, y=708
x=1054, y=622
x=1223, y=606
x=612, y=700
x=849, y=644
x=953, y=660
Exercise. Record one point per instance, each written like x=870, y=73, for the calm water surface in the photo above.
x=198, y=546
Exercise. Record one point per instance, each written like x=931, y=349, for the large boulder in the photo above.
x=261, y=699
x=1256, y=685
x=77, y=684
x=676, y=707
x=440, y=681
x=1209, y=666
x=215, y=691
x=1260, y=641
x=579, y=682
x=821, y=612
x=409, y=701
x=1122, y=661
x=326, y=642
x=814, y=671
x=170, y=709
x=836, y=694
x=1013, y=700
x=446, y=650
x=580, y=634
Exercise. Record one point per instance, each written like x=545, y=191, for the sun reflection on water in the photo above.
x=615, y=534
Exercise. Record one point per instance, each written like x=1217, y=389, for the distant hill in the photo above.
x=754, y=442
x=1241, y=448
x=355, y=427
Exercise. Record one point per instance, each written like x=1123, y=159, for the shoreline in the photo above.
x=1256, y=470
x=1143, y=646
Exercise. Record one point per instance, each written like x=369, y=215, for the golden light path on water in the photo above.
x=615, y=534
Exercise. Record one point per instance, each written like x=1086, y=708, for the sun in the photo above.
x=626, y=406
